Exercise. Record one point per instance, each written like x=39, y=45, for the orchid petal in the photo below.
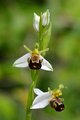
x=38, y=91
x=41, y=101
x=46, y=65
x=22, y=61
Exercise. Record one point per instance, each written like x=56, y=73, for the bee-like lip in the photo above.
x=57, y=104
x=34, y=65
x=59, y=107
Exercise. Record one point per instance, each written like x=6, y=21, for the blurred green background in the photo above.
x=16, y=29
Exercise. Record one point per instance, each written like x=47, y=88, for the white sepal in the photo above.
x=36, y=22
x=41, y=101
x=46, y=65
x=22, y=61
x=38, y=91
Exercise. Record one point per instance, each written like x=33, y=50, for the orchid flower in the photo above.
x=33, y=60
x=45, y=19
x=51, y=97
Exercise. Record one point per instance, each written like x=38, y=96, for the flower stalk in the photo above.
x=34, y=76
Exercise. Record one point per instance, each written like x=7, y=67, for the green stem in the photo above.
x=34, y=75
x=28, y=117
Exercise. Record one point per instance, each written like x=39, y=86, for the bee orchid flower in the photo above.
x=33, y=60
x=45, y=20
x=51, y=97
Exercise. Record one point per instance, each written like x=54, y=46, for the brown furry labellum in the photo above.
x=57, y=104
x=35, y=62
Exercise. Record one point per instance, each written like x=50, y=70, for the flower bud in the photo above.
x=45, y=20
x=36, y=22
